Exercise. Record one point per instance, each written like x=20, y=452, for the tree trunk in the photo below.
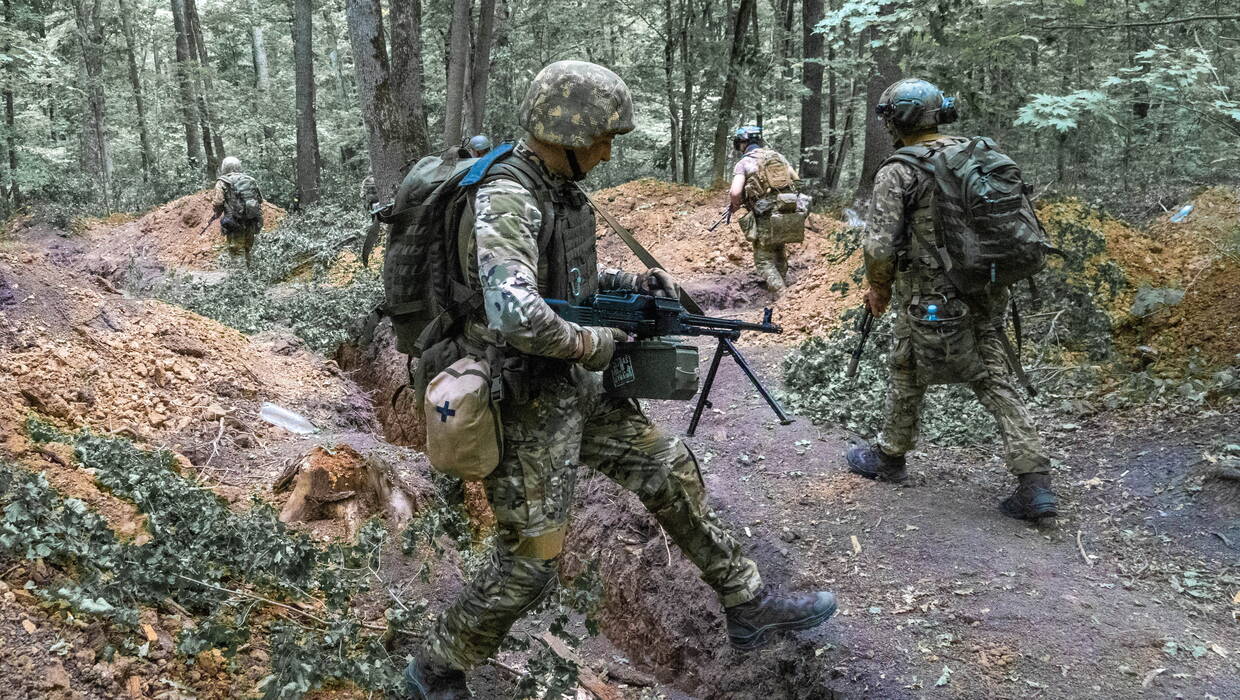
x=687, y=131
x=727, y=103
x=307, y=130
x=482, y=65
x=212, y=139
x=10, y=121
x=395, y=126
x=811, y=98
x=95, y=141
x=185, y=84
x=878, y=144
x=669, y=73
x=258, y=51
x=135, y=82
x=458, y=58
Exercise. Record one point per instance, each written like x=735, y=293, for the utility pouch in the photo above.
x=463, y=434
x=944, y=342
x=652, y=369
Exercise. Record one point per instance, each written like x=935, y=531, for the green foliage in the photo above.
x=201, y=555
x=266, y=296
x=817, y=388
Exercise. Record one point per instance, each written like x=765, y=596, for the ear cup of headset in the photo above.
x=948, y=111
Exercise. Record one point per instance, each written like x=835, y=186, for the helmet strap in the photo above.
x=571, y=156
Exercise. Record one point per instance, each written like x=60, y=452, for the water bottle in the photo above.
x=284, y=418
x=932, y=312
x=1182, y=214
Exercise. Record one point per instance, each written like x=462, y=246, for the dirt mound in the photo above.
x=173, y=234
x=671, y=220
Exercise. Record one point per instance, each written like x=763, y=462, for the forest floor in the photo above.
x=1134, y=593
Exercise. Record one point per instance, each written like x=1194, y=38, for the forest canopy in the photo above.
x=116, y=105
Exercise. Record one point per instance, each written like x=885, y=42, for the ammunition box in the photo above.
x=652, y=369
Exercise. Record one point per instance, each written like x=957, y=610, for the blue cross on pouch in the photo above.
x=445, y=412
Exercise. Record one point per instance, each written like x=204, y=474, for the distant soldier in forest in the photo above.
x=237, y=198
x=942, y=335
x=765, y=184
x=369, y=191
x=533, y=234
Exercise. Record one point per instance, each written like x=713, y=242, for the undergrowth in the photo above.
x=201, y=556
x=288, y=285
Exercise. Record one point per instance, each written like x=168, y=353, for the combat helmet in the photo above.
x=747, y=134
x=572, y=103
x=913, y=106
x=480, y=143
x=230, y=164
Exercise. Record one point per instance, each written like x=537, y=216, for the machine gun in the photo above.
x=649, y=317
x=724, y=218
x=209, y=222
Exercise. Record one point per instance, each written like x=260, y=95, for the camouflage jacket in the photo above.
x=502, y=259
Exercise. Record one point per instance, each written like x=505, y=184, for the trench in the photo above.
x=655, y=608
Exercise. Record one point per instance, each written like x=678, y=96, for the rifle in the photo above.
x=864, y=325
x=724, y=218
x=646, y=316
x=209, y=222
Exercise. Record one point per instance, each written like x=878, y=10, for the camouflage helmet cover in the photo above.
x=572, y=103
x=747, y=133
x=912, y=106
x=230, y=164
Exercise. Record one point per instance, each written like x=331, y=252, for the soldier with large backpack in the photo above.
x=765, y=184
x=513, y=393
x=950, y=228
x=236, y=196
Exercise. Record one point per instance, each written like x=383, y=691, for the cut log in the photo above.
x=341, y=484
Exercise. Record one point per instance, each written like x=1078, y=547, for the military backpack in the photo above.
x=985, y=230
x=242, y=198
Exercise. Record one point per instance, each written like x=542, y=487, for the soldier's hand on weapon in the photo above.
x=596, y=346
x=660, y=283
x=877, y=299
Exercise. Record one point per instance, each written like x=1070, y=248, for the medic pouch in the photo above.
x=652, y=369
x=787, y=223
x=943, y=339
x=464, y=437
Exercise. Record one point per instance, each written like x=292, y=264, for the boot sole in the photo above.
x=1020, y=513
x=759, y=638
x=873, y=476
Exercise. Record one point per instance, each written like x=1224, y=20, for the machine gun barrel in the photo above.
x=865, y=325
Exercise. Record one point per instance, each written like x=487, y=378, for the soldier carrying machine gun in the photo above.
x=654, y=368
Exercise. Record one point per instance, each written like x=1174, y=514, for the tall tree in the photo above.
x=308, y=170
x=458, y=54
x=727, y=102
x=96, y=156
x=878, y=144
x=10, y=121
x=811, y=96
x=480, y=72
x=135, y=84
x=185, y=86
x=212, y=139
x=669, y=73
x=389, y=88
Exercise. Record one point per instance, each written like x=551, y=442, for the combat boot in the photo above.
x=1033, y=499
x=749, y=623
x=426, y=680
x=873, y=463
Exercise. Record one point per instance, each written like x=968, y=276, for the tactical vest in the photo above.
x=919, y=213
x=567, y=259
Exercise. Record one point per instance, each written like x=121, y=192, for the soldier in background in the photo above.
x=765, y=184
x=554, y=413
x=369, y=191
x=240, y=202
x=904, y=271
x=478, y=146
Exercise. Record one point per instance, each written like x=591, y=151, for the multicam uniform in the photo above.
x=769, y=259
x=238, y=232
x=560, y=418
x=900, y=218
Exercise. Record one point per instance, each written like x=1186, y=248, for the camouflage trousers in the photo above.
x=569, y=422
x=769, y=259
x=239, y=235
x=997, y=392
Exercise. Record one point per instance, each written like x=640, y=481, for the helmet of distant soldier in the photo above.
x=480, y=143
x=913, y=106
x=230, y=165
x=746, y=135
x=573, y=103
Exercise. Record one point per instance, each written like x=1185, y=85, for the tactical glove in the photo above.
x=596, y=345
x=660, y=283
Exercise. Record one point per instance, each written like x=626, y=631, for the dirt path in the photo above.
x=936, y=578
